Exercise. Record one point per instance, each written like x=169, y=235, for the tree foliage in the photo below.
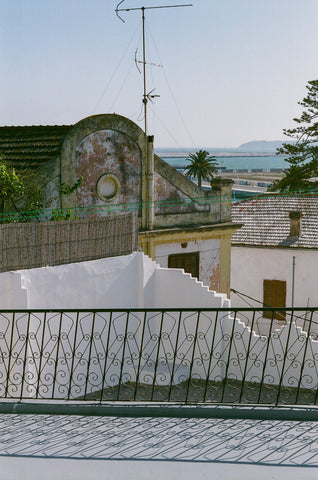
x=20, y=193
x=10, y=185
x=201, y=166
x=65, y=189
x=69, y=189
x=302, y=155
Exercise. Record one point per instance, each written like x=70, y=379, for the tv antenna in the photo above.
x=150, y=95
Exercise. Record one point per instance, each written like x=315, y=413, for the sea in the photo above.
x=228, y=160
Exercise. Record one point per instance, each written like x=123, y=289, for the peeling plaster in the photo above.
x=173, y=198
x=215, y=278
x=108, y=151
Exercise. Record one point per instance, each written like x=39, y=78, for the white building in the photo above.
x=85, y=443
x=127, y=281
x=275, y=253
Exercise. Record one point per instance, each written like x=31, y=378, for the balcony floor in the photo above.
x=83, y=447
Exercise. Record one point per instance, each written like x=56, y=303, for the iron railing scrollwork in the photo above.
x=164, y=355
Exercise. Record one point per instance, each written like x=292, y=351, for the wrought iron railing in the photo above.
x=231, y=356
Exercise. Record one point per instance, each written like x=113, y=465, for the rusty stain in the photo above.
x=114, y=152
x=215, y=278
x=108, y=151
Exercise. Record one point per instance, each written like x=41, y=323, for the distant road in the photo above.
x=236, y=188
x=218, y=154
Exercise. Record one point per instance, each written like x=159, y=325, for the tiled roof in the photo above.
x=33, y=145
x=266, y=221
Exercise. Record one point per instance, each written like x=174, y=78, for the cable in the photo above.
x=140, y=116
x=120, y=88
x=247, y=296
x=292, y=315
x=179, y=112
x=243, y=299
x=172, y=95
x=204, y=200
x=132, y=206
x=115, y=71
x=169, y=133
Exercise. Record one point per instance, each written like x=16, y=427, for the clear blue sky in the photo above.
x=233, y=70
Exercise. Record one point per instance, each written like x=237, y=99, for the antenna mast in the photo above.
x=149, y=95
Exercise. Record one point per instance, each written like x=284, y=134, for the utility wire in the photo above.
x=172, y=94
x=278, y=309
x=169, y=132
x=247, y=296
x=121, y=88
x=202, y=201
x=198, y=201
x=179, y=110
x=116, y=69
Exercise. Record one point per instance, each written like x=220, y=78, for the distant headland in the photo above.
x=254, y=147
x=262, y=145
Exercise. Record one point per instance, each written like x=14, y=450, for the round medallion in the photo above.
x=108, y=187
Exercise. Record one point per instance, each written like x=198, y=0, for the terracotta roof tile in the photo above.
x=266, y=221
x=31, y=146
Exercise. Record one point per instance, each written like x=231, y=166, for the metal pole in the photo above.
x=144, y=67
x=293, y=281
x=117, y=10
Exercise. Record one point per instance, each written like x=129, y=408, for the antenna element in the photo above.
x=146, y=96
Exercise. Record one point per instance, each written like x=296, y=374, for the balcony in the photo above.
x=183, y=356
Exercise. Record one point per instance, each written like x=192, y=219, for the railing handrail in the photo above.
x=163, y=309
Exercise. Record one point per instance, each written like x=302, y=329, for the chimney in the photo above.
x=295, y=223
x=223, y=188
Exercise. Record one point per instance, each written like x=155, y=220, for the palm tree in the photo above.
x=202, y=166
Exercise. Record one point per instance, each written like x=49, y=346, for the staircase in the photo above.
x=173, y=288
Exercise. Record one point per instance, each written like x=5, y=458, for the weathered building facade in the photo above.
x=275, y=253
x=179, y=224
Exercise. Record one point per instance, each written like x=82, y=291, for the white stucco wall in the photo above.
x=250, y=266
x=11, y=294
x=209, y=258
x=95, y=284
x=171, y=287
x=131, y=281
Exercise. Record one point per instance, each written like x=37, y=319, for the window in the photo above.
x=274, y=296
x=188, y=261
x=108, y=187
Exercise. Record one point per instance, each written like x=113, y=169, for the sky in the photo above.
x=231, y=71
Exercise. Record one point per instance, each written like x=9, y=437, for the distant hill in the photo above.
x=262, y=145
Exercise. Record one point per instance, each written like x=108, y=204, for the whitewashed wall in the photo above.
x=127, y=282
x=250, y=266
x=223, y=346
x=130, y=281
x=209, y=258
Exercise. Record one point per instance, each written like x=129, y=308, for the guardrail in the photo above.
x=162, y=355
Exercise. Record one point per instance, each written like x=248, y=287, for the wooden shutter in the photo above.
x=274, y=296
x=188, y=261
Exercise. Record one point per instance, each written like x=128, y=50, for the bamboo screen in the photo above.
x=37, y=244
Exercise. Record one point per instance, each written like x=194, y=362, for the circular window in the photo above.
x=108, y=187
